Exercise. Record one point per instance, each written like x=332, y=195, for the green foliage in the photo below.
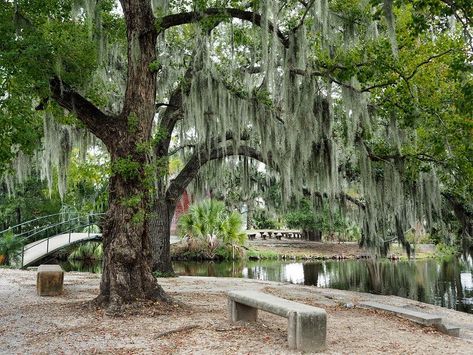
x=133, y=123
x=87, y=182
x=159, y=135
x=306, y=218
x=154, y=66
x=443, y=250
x=10, y=246
x=263, y=255
x=262, y=220
x=164, y=274
x=263, y=97
x=325, y=220
x=132, y=201
x=208, y=224
x=126, y=168
x=87, y=251
x=138, y=217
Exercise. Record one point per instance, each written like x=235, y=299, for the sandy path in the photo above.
x=65, y=324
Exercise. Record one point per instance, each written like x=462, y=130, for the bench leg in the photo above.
x=292, y=330
x=307, y=333
x=238, y=311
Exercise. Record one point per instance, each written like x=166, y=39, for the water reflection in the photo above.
x=94, y=266
x=447, y=283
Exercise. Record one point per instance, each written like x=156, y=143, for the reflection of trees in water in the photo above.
x=94, y=266
x=266, y=270
x=204, y=268
x=432, y=281
x=426, y=281
x=311, y=273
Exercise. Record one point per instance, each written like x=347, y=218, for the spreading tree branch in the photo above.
x=196, y=16
x=201, y=157
x=95, y=120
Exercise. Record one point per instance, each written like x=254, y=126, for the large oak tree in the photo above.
x=326, y=93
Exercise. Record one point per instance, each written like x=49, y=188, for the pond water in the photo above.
x=447, y=283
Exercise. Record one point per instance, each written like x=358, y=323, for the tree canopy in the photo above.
x=360, y=104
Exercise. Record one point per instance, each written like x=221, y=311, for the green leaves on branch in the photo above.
x=126, y=168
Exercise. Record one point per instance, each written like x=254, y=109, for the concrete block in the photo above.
x=49, y=280
x=418, y=317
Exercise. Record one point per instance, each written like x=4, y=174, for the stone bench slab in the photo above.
x=307, y=325
x=416, y=316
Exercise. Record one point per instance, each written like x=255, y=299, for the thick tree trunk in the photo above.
x=160, y=233
x=127, y=273
x=312, y=235
x=127, y=265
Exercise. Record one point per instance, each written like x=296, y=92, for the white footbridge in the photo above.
x=45, y=235
x=39, y=249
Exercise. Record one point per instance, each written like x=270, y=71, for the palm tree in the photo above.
x=209, y=222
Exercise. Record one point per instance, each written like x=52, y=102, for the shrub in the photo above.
x=87, y=251
x=262, y=220
x=208, y=226
x=10, y=246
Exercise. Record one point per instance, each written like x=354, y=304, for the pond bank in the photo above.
x=199, y=325
x=296, y=249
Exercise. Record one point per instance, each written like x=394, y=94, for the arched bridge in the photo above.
x=45, y=235
x=37, y=250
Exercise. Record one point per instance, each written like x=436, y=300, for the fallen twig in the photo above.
x=227, y=329
x=178, y=330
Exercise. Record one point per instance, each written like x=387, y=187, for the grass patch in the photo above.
x=164, y=274
x=262, y=254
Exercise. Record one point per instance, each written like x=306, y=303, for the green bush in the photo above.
x=208, y=227
x=262, y=220
x=87, y=251
x=443, y=250
x=10, y=246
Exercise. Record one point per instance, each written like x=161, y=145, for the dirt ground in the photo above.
x=199, y=325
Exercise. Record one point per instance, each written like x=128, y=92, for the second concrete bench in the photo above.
x=307, y=325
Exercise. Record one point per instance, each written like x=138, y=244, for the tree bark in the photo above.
x=127, y=273
x=312, y=235
x=160, y=233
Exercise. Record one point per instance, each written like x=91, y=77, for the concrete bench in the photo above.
x=426, y=319
x=49, y=280
x=307, y=325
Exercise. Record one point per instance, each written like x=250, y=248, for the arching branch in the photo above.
x=342, y=196
x=95, y=120
x=171, y=115
x=196, y=16
x=308, y=5
x=201, y=157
